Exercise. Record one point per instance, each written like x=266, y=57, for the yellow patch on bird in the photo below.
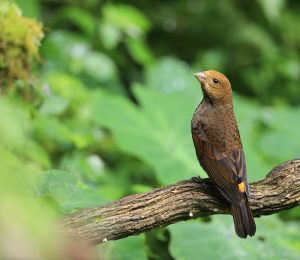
x=241, y=186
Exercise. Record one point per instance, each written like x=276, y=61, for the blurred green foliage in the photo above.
x=22, y=223
x=106, y=113
x=187, y=236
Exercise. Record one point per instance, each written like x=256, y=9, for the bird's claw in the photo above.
x=200, y=181
x=197, y=179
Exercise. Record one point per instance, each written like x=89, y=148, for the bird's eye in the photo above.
x=215, y=80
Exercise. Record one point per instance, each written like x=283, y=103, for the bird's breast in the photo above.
x=217, y=127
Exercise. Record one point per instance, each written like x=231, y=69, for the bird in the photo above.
x=219, y=148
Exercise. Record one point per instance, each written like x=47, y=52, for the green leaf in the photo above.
x=67, y=190
x=110, y=35
x=98, y=66
x=38, y=154
x=172, y=75
x=158, y=134
x=217, y=240
x=132, y=248
x=85, y=166
x=140, y=51
x=67, y=86
x=263, y=41
x=78, y=16
x=127, y=18
x=69, y=51
x=52, y=132
x=53, y=105
x=272, y=8
x=279, y=141
x=61, y=47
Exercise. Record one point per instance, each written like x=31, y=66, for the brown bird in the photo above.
x=219, y=148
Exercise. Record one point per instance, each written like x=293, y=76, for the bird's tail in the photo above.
x=243, y=220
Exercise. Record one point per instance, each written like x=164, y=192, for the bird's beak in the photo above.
x=201, y=77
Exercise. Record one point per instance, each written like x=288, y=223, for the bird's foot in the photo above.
x=199, y=180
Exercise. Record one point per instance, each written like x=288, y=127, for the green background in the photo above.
x=97, y=98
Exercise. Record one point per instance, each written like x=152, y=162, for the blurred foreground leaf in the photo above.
x=25, y=223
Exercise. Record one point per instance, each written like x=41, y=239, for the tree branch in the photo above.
x=184, y=200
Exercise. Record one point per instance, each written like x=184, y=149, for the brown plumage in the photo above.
x=219, y=149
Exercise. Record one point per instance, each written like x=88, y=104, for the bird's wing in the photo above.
x=227, y=170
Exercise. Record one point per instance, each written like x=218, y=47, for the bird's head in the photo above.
x=215, y=86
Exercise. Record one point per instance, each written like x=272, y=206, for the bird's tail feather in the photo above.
x=243, y=219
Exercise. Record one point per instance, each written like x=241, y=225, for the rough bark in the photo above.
x=184, y=200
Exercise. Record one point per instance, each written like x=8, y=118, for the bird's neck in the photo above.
x=225, y=101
